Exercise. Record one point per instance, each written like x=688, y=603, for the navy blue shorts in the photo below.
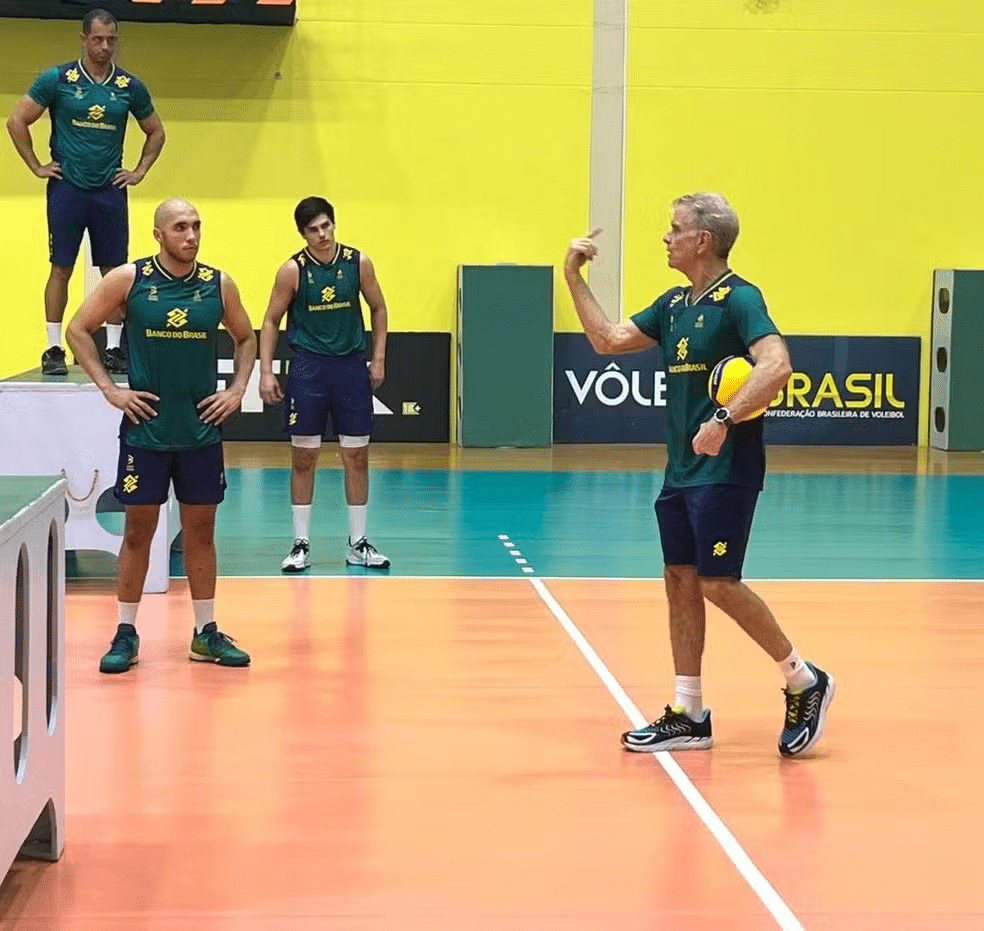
x=328, y=393
x=144, y=476
x=72, y=211
x=706, y=526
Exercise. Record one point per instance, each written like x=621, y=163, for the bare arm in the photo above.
x=107, y=299
x=378, y=317
x=154, y=131
x=216, y=408
x=772, y=370
x=606, y=338
x=283, y=293
x=27, y=112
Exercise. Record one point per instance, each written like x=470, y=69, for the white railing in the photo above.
x=32, y=661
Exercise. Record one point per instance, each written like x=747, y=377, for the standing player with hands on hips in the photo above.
x=715, y=463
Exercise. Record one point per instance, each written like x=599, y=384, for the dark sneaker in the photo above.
x=297, y=559
x=363, y=553
x=673, y=731
x=213, y=646
x=122, y=651
x=805, y=714
x=114, y=362
x=53, y=361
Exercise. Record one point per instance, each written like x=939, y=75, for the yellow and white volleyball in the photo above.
x=726, y=380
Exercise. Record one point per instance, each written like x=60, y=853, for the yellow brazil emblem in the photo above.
x=681, y=348
x=97, y=112
x=177, y=318
x=346, y=254
x=72, y=75
x=206, y=274
x=130, y=484
x=720, y=548
x=328, y=294
x=721, y=293
x=122, y=81
x=146, y=269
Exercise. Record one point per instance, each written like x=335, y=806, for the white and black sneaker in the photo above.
x=806, y=712
x=297, y=559
x=363, y=553
x=674, y=731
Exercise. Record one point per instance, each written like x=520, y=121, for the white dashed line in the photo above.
x=516, y=553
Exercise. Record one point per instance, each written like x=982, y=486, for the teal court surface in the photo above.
x=599, y=524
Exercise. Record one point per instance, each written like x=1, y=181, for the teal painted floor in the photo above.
x=596, y=524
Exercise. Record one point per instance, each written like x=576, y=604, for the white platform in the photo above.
x=62, y=425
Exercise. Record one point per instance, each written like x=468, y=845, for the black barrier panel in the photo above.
x=844, y=391
x=240, y=12
x=412, y=406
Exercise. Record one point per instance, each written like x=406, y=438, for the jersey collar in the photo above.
x=160, y=268
x=316, y=261
x=109, y=74
x=717, y=282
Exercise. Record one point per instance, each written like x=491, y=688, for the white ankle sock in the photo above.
x=302, y=521
x=357, y=521
x=54, y=334
x=127, y=612
x=798, y=675
x=204, y=613
x=689, y=697
x=114, y=333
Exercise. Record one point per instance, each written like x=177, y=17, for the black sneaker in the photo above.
x=53, y=361
x=114, y=362
x=122, y=651
x=673, y=731
x=805, y=714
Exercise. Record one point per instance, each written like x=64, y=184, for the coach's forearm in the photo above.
x=599, y=330
x=20, y=134
x=760, y=390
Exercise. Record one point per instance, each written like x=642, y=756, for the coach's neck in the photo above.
x=704, y=272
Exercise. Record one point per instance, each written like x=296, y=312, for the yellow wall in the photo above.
x=444, y=132
x=848, y=136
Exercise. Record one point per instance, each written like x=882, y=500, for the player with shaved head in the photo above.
x=172, y=306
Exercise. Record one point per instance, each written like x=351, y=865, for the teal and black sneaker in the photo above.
x=806, y=712
x=213, y=646
x=122, y=651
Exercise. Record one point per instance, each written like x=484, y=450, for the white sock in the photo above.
x=302, y=521
x=54, y=333
x=114, y=333
x=127, y=612
x=689, y=697
x=204, y=612
x=357, y=522
x=798, y=675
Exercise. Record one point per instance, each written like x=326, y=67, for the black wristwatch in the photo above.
x=723, y=415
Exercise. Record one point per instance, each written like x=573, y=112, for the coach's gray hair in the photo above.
x=713, y=213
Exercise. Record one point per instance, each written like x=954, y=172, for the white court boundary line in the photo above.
x=729, y=844
x=546, y=578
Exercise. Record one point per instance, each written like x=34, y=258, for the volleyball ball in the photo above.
x=726, y=379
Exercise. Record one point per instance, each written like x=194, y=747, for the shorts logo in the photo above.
x=129, y=464
x=177, y=318
x=720, y=548
x=97, y=112
x=292, y=420
x=681, y=348
x=720, y=294
x=130, y=484
x=328, y=294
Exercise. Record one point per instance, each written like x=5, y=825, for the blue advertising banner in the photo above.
x=844, y=391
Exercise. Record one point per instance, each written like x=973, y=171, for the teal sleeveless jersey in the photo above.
x=171, y=326
x=325, y=316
